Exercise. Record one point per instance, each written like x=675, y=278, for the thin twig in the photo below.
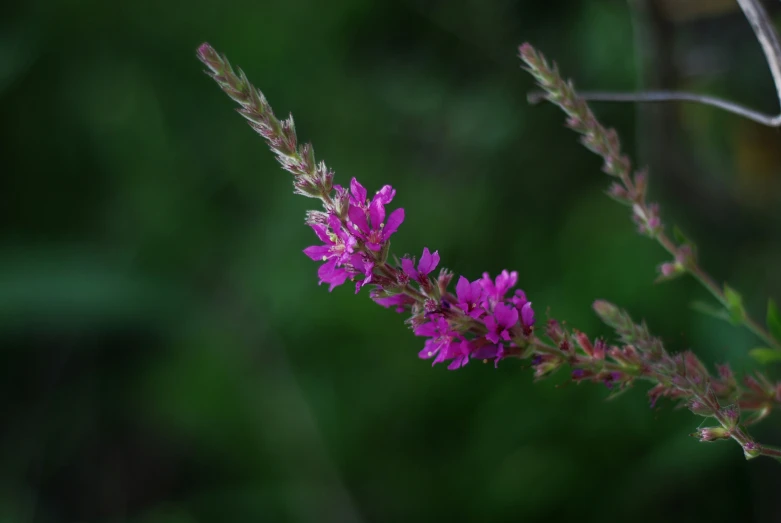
x=768, y=39
x=767, y=36
x=673, y=96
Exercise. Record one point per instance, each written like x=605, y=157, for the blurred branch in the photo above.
x=768, y=39
x=673, y=96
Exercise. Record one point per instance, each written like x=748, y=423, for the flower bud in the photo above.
x=618, y=193
x=554, y=331
x=641, y=185
x=686, y=256
x=731, y=415
x=670, y=270
x=443, y=280
x=606, y=311
x=584, y=343
x=700, y=408
x=600, y=347
x=752, y=450
x=711, y=433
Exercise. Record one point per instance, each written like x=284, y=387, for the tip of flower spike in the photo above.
x=205, y=51
x=606, y=311
x=525, y=49
x=211, y=58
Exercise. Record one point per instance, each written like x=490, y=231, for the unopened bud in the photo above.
x=584, y=343
x=606, y=311
x=711, y=433
x=670, y=270
x=699, y=408
x=641, y=185
x=752, y=450
x=618, y=192
x=731, y=415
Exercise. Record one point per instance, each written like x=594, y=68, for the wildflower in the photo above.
x=500, y=323
x=428, y=262
x=495, y=290
x=469, y=296
x=399, y=301
x=337, y=249
x=441, y=335
x=368, y=219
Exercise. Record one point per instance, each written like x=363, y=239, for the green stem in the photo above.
x=711, y=286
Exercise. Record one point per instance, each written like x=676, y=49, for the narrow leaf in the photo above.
x=765, y=355
x=682, y=239
x=710, y=310
x=737, y=312
x=774, y=320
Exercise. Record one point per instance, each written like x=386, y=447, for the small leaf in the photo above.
x=737, y=312
x=710, y=310
x=682, y=239
x=764, y=355
x=774, y=320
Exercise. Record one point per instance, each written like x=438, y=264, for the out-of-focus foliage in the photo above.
x=168, y=357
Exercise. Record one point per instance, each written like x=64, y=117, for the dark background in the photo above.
x=167, y=355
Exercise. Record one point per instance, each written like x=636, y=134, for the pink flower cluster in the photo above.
x=480, y=321
x=350, y=244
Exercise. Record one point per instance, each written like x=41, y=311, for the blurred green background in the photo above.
x=167, y=355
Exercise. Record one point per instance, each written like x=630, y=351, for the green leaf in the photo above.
x=681, y=238
x=774, y=320
x=710, y=310
x=765, y=355
x=737, y=312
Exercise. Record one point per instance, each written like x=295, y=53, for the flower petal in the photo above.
x=527, y=315
x=463, y=290
x=358, y=218
x=358, y=190
x=386, y=194
x=506, y=316
x=408, y=266
x=376, y=213
x=318, y=252
x=428, y=261
x=395, y=219
x=322, y=232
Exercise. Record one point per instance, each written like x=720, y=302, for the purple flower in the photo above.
x=399, y=301
x=357, y=193
x=488, y=351
x=527, y=315
x=368, y=219
x=459, y=353
x=331, y=274
x=428, y=262
x=362, y=264
x=337, y=250
x=524, y=306
x=469, y=296
x=500, y=323
x=442, y=337
x=494, y=291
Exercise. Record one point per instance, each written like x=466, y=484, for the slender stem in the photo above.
x=767, y=36
x=768, y=39
x=710, y=284
x=673, y=96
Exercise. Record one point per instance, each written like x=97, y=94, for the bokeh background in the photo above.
x=167, y=355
